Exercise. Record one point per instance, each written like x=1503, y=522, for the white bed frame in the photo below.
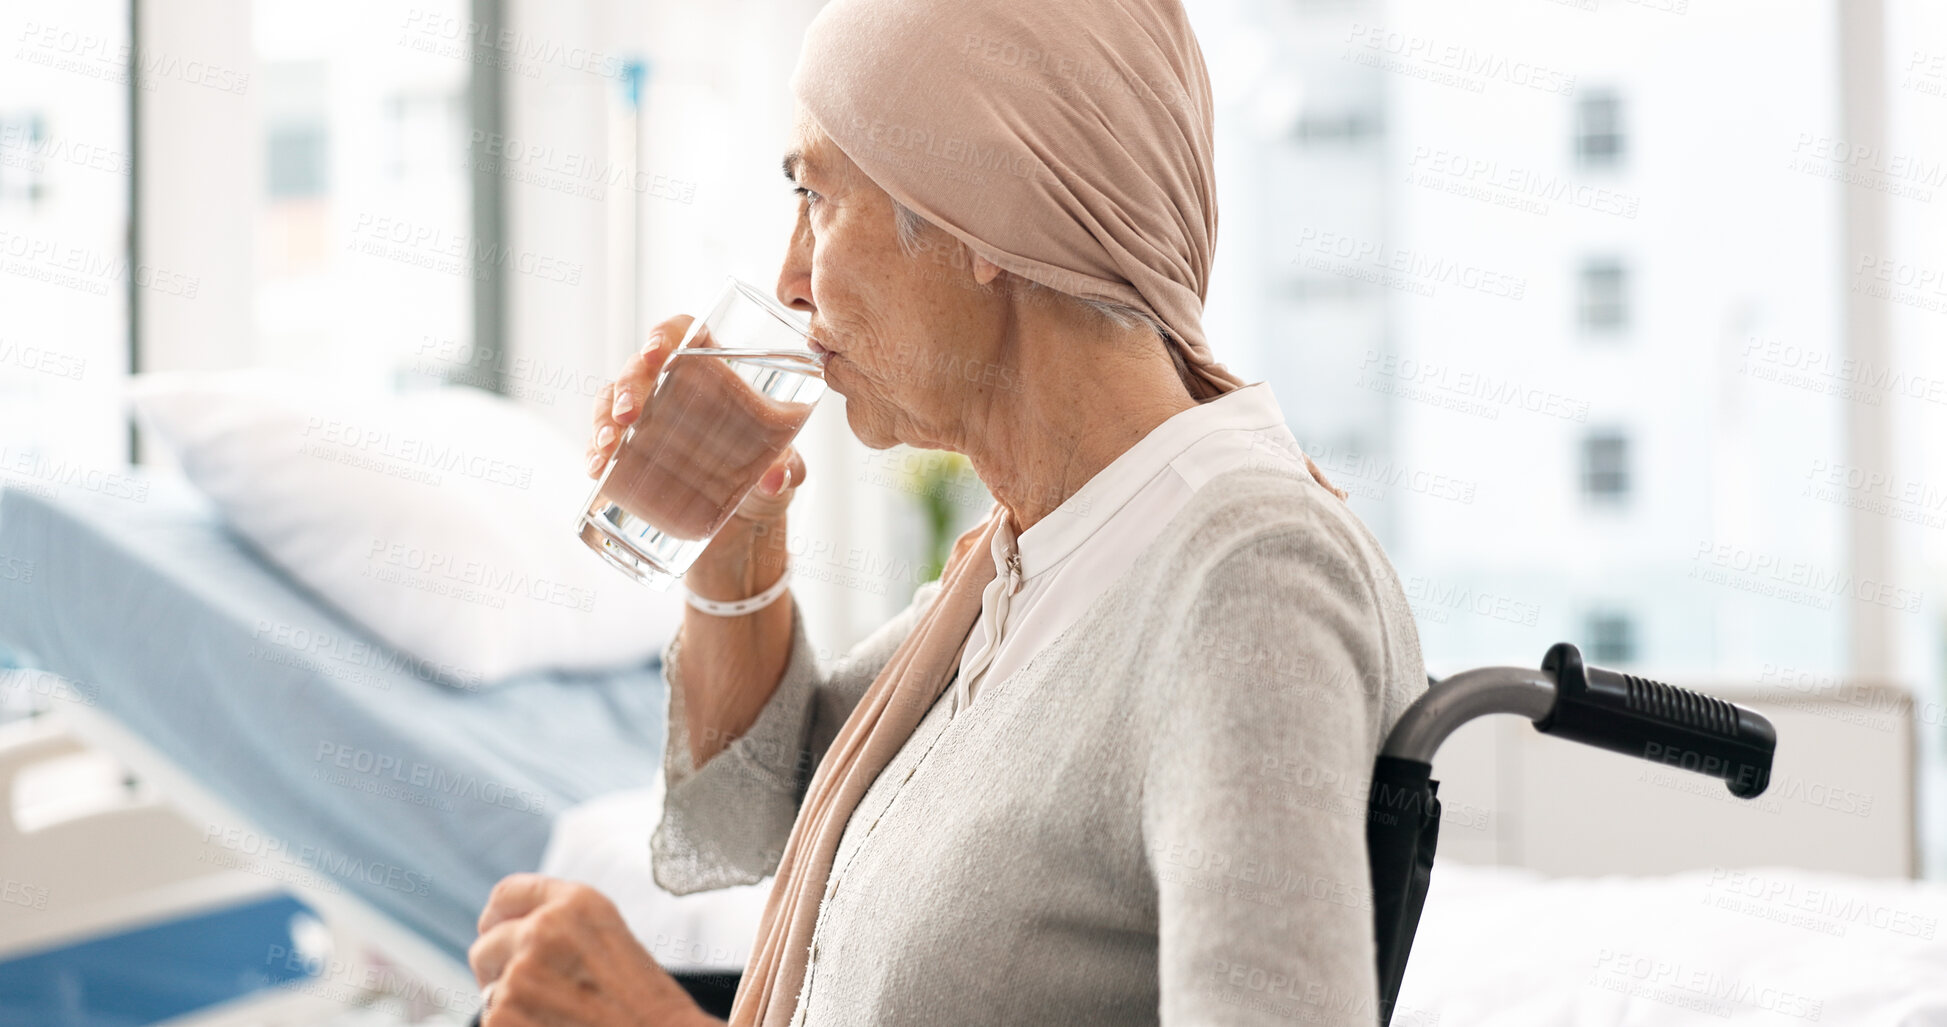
x=144, y=860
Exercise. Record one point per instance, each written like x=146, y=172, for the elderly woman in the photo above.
x=1112, y=768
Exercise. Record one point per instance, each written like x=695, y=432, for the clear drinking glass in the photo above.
x=729, y=399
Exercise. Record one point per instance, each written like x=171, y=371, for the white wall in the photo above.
x=201, y=172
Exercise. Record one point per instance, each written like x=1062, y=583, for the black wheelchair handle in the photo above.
x=1660, y=723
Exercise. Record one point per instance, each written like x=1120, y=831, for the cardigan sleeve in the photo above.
x=725, y=823
x=1254, y=793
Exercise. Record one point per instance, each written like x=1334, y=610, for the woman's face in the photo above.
x=918, y=342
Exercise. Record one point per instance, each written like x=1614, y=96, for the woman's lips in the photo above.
x=824, y=355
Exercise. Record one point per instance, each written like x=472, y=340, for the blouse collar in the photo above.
x=1250, y=408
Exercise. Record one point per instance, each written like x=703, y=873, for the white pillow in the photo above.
x=442, y=521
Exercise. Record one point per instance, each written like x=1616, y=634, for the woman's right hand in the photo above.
x=620, y=402
x=748, y=552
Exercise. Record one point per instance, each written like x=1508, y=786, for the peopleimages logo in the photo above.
x=14, y=568
x=21, y=146
x=1421, y=56
x=429, y=455
x=1798, y=581
x=907, y=140
x=467, y=578
x=566, y=171
x=24, y=469
x=87, y=270
x=367, y=662
x=1526, y=189
x=100, y=57
x=434, y=780
x=1415, y=271
x=437, y=249
x=523, y=51
x=240, y=849
x=1470, y=390
x=1081, y=71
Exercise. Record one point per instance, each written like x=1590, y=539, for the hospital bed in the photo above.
x=322, y=771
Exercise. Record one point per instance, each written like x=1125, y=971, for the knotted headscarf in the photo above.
x=1067, y=142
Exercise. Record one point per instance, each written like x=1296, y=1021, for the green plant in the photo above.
x=940, y=481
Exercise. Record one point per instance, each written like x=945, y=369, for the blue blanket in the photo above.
x=412, y=794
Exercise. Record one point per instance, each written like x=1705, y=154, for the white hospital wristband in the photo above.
x=739, y=607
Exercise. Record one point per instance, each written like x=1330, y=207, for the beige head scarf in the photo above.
x=1067, y=141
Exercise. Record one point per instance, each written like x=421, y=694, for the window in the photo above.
x=1612, y=637
x=65, y=276
x=1605, y=466
x=363, y=269
x=1603, y=300
x=297, y=98
x=1599, y=139
x=425, y=130
x=23, y=138
x=1346, y=127
x=297, y=160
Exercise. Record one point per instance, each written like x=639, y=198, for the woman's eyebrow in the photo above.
x=797, y=166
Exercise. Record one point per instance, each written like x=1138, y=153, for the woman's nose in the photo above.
x=794, y=291
x=794, y=279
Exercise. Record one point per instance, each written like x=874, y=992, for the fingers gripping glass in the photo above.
x=726, y=405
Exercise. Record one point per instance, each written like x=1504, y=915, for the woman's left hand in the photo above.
x=557, y=952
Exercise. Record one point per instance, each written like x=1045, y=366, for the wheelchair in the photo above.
x=1608, y=709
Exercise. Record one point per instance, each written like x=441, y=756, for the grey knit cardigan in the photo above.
x=1158, y=819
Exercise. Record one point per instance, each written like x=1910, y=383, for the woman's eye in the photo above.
x=809, y=196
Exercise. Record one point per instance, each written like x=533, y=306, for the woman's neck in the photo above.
x=1082, y=403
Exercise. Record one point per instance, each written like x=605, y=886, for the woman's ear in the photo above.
x=985, y=271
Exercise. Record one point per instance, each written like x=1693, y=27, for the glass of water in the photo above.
x=728, y=401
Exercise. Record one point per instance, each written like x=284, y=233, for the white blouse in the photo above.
x=1044, y=581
